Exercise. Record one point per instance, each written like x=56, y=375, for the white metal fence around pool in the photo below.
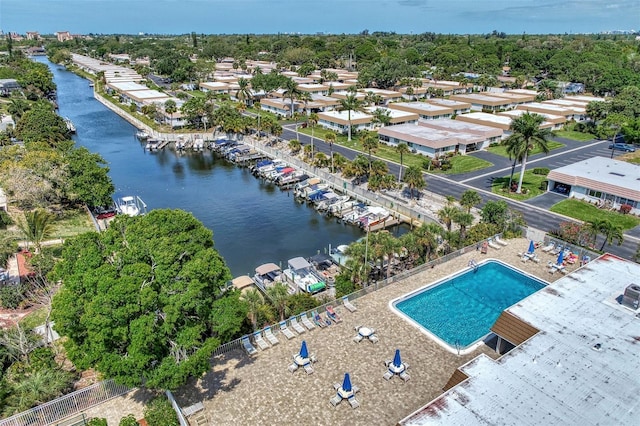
x=67, y=405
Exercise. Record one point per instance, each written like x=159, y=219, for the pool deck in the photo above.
x=260, y=390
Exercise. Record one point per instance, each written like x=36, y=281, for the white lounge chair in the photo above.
x=293, y=367
x=493, y=244
x=373, y=338
x=286, y=331
x=251, y=350
x=268, y=334
x=358, y=338
x=347, y=304
x=501, y=241
x=548, y=247
x=262, y=344
x=296, y=325
x=306, y=322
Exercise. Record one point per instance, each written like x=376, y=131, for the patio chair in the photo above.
x=268, y=334
x=354, y=402
x=262, y=344
x=333, y=316
x=308, y=368
x=305, y=321
x=293, y=367
x=388, y=375
x=347, y=304
x=335, y=400
x=248, y=347
x=373, y=338
x=493, y=244
x=548, y=247
x=317, y=320
x=404, y=376
x=501, y=241
x=358, y=338
x=296, y=325
x=286, y=331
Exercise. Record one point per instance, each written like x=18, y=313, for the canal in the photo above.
x=252, y=222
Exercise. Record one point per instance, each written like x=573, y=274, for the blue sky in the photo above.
x=311, y=16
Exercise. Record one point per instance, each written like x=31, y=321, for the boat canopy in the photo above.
x=288, y=170
x=298, y=263
x=266, y=268
x=242, y=282
x=314, y=288
x=314, y=181
x=331, y=196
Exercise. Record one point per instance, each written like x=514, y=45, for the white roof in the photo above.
x=557, y=376
x=513, y=113
x=127, y=86
x=393, y=113
x=344, y=115
x=148, y=94
x=490, y=118
x=423, y=107
x=604, y=170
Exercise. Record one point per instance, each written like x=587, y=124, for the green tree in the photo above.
x=170, y=108
x=89, y=180
x=291, y=92
x=253, y=300
x=526, y=135
x=351, y=103
x=469, y=199
x=447, y=215
x=37, y=227
x=402, y=148
x=138, y=300
x=414, y=180
x=159, y=412
x=244, y=94
x=611, y=233
x=330, y=138
x=369, y=143
x=495, y=212
x=278, y=295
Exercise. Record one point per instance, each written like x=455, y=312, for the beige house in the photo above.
x=569, y=112
x=497, y=121
x=558, y=121
x=217, y=87
x=280, y=106
x=425, y=110
x=485, y=101
x=386, y=95
x=338, y=121
x=457, y=106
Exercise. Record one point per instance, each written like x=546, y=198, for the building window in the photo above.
x=595, y=194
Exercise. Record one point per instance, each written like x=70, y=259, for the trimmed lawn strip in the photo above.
x=459, y=163
x=586, y=212
x=502, y=150
x=34, y=319
x=574, y=136
x=73, y=223
x=531, y=183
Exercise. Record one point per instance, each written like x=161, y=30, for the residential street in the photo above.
x=535, y=210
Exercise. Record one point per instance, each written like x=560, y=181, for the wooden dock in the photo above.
x=163, y=144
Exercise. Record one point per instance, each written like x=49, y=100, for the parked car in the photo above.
x=622, y=147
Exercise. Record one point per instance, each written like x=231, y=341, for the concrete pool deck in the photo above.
x=260, y=390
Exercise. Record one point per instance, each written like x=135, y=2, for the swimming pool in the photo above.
x=459, y=310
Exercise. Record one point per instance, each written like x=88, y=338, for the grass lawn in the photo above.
x=34, y=319
x=584, y=211
x=531, y=183
x=502, y=150
x=459, y=163
x=73, y=223
x=575, y=136
x=464, y=164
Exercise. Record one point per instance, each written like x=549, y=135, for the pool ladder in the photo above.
x=457, y=343
x=474, y=265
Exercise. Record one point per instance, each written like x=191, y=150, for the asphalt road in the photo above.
x=535, y=212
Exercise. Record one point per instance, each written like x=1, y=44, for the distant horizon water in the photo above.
x=332, y=17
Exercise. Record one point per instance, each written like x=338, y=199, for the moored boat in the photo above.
x=70, y=126
x=302, y=275
x=130, y=206
x=142, y=135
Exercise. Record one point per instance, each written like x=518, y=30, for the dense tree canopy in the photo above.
x=143, y=302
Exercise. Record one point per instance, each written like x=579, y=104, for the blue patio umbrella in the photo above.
x=346, y=383
x=396, y=359
x=560, y=258
x=304, y=353
x=532, y=247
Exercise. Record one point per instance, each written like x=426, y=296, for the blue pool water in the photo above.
x=460, y=310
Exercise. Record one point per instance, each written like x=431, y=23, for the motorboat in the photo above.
x=267, y=275
x=303, y=276
x=70, y=126
x=130, y=206
x=142, y=135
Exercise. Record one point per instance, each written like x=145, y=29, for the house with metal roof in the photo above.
x=8, y=85
x=603, y=181
x=574, y=359
x=485, y=101
x=425, y=110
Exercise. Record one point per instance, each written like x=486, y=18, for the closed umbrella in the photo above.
x=304, y=353
x=532, y=247
x=396, y=359
x=560, y=258
x=346, y=383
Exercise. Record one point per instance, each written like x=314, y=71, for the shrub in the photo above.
x=541, y=171
x=130, y=420
x=96, y=421
x=544, y=184
x=11, y=296
x=5, y=219
x=159, y=412
x=625, y=209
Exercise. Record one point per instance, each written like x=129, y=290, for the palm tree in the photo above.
x=243, y=94
x=330, y=138
x=312, y=120
x=170, y=108
x=402, y=148
x=294, y=146
x=526, y=135
x=611, y=233
x=414, y=180
x=279, y=295
x=463, y=219
x=381, y=116
x=338, y=161
x=370, y=143
x=37, y=227
x=427, y=238
x=469, y=199
x=253, y=299
x=291, y=92
x=447, y=214
x=351, y=103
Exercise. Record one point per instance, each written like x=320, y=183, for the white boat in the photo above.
x=303, y=276
x=131, y=206
x=142, y=135
x=343, y=207
x=267, y=275
x=70, y=127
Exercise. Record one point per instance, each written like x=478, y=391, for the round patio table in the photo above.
x=396, y=369
x=300, y=361
x=365, y=331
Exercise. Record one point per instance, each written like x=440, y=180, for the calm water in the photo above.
x=463, y=308
x=252, y=222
